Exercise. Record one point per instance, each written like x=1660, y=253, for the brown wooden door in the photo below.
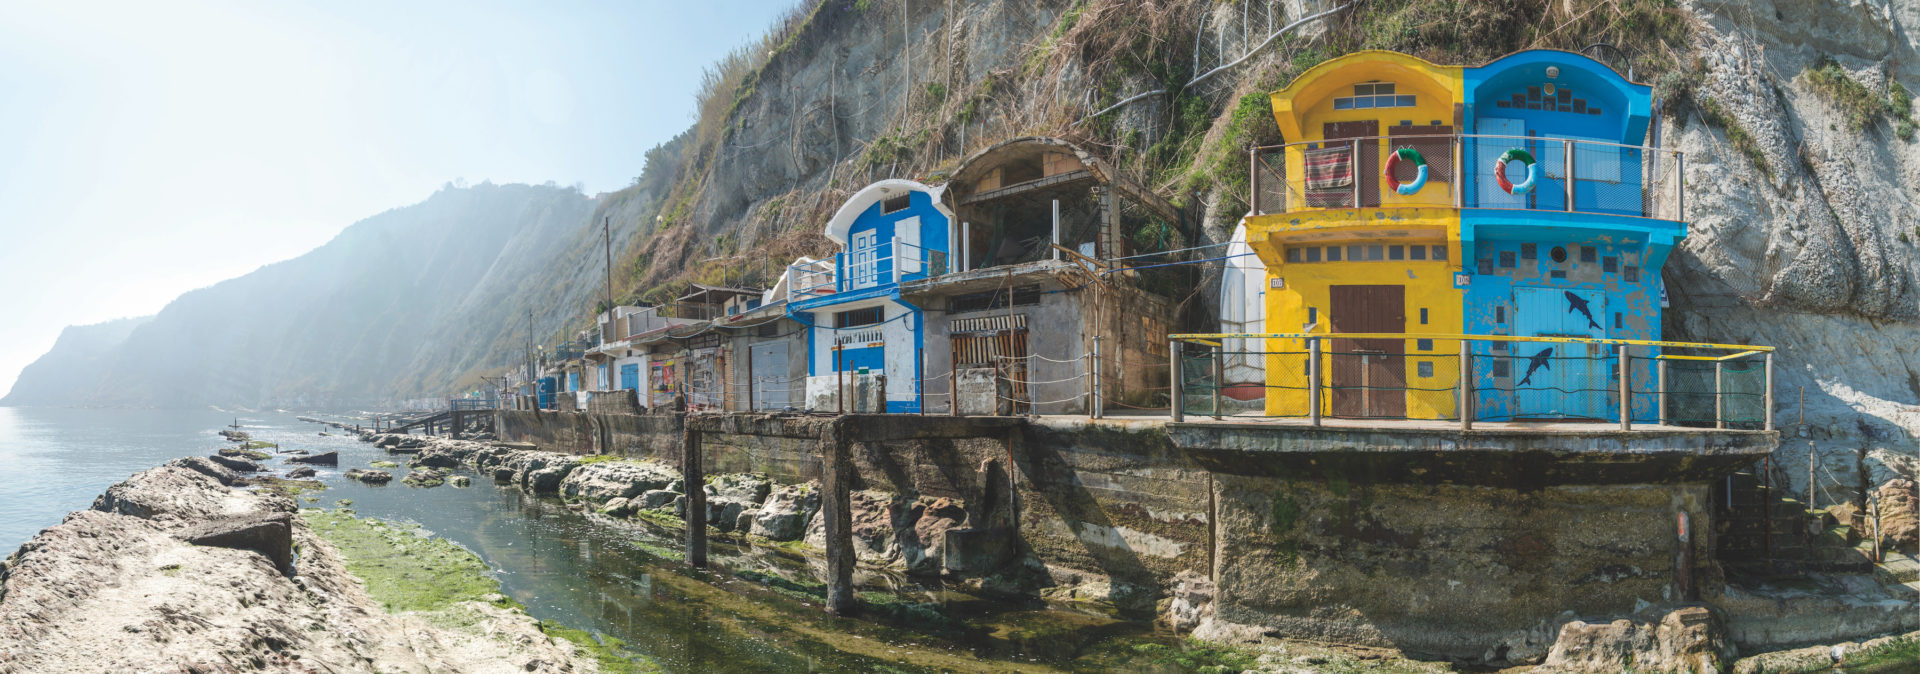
x=1368, y=163
x=1369, y=375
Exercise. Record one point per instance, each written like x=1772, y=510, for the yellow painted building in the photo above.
x=1347, y=251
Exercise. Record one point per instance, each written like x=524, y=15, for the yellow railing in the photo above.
x=1604, y=382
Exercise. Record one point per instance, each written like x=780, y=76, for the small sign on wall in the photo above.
x=1462, y=279
x=1277, y=283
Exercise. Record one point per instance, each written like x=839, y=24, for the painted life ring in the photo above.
x=1500, y=172
x=1393, y=162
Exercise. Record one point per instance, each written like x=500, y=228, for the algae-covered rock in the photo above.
x=425, y=478
x=617, y=507
x=370, y=476
x=657, y=499
x=460, y=481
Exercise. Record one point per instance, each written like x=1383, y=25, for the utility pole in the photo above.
x=606, y=228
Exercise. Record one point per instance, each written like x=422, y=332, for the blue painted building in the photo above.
x=863, y=340
x=1580, y=253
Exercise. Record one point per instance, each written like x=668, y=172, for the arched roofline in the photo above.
x=850, y=210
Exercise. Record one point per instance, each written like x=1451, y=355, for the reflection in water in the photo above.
x=621, y=579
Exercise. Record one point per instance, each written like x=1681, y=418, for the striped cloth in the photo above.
x=1329, y=176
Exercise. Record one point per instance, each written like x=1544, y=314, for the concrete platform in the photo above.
x=1510, y=454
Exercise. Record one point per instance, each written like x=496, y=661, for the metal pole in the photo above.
x=953, y=383
x=1568, y=151
x=1313, y=381
x=1680, y=183
x=1099, y=403
x=1174, y=375
x=1463, y=408
x=1253, y=179
x=1056, y=230
x=1626, y=389
x=1811, y=453
x=1662, y=385
x=1356, y=175
x=966, y=246
x=1769, y=401
x=1219, y=371
x=1719, y=375
x=1459, y=165
x=920, y=382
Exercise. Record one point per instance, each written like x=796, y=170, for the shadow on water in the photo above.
x=758, y=608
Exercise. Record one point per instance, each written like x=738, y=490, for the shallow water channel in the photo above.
x=756, y=609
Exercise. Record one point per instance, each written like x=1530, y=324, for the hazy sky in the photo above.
x=150, y=148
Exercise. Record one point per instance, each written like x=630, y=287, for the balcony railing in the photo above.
x=866, y=268
x=1466, y=379
x=1571, y=175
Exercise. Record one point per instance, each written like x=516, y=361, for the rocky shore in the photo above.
x=174, y=570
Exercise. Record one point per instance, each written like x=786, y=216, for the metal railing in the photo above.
x=1469, y=378
x=887, y=263
x=1579, y=176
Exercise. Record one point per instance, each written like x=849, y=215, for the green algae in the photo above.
x=408, y=572
x=384, y=464
x=288, y=488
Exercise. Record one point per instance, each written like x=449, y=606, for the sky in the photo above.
x=151, y=148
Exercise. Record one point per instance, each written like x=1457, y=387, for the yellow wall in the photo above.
x=1428, y=284
x=1306, y=105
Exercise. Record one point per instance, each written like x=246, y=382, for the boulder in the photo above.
x=742, y=487
x=237, y=465
x=1685, y=639
x=460, y=481
x=1897, y=517
x=1192, y=601
x=744, y=522
x=321, y=459
x=302, y=472
x=786, y=512
x=370, y=476
x=602, y=481
x=923, y=545
x=725, y=515
x=874, y=539
x=271, y=535
x=547, y=480
x=425, y=478
x=208, y=468
x=658, y=498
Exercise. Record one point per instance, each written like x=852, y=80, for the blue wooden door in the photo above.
x=1560, y=380
x=630, y=376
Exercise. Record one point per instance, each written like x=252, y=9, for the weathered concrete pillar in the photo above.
x=693, y=477
x=836, y=477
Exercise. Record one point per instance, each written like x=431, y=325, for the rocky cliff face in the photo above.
x=1806, y=241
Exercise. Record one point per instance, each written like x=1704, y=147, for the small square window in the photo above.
x=1423, y=315
x=896, y=204
x=1313, y=315
x=1356, y=253
x=1558, y=273
x=1499, y=346
x=1396, y=252
x=1486, y=266
x=1506, y=259
x=1363, y=103
x=1363, y=89
x=1586, y=253
x=1500, y=368
x=1610, y=264
x=1376, y=252
x=1293, y=255
x=1500, y=316
x=1383, y=87
x=1529, y=251
x=1426, y=368
x=1440, y=253
x=1313, y=254
x=1616, y=320
x=1631, y=274
x=1417, y=252
x=1343, y=104
x=1333, y=253
x=1404, y=101
x=1423, y=345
